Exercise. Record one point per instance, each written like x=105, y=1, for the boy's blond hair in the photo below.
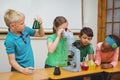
x=12, y=16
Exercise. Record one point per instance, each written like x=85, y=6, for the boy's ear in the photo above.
x=12, y=24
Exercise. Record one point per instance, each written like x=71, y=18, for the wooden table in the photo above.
x=111, y=71
x=39, y=74
x=47, y=73
x=69, y=74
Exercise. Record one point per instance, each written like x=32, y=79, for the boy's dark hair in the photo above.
x=115, y=38
x=86, y=30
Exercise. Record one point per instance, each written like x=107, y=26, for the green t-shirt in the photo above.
x=59, y=56
x=84, y=50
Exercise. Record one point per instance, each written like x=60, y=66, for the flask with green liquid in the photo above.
x=36, y=25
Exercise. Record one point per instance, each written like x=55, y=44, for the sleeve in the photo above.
x=30, y=31
x=9, y=47
x=91, y=50
x=97, y=56
x=50, y=38
x=115, y=57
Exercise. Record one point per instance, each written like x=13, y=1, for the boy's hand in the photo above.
x=40, y=32
x=28, y=70
x=39, y=20
x=106, y=66
x=31, y=68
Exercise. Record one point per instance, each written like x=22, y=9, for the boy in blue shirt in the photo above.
x=17, y=42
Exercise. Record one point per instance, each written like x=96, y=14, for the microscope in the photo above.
x=73, y=52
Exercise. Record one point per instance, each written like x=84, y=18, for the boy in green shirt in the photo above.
x=85, y=47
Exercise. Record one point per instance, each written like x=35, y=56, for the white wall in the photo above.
x=90, y=17
x=40, y=52
x=4, y=64
x=47, y=10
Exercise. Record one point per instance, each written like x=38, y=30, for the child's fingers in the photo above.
x=38, y=19
x=30, y=68
x=69, y=29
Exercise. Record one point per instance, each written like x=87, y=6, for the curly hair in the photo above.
x=86, y=30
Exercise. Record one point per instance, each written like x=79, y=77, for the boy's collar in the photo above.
x=12, y=34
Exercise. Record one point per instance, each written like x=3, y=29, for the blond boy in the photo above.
x=17, y=42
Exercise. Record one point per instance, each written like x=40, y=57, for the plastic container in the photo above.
x=92, y=65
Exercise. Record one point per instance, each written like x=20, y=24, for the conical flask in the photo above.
x=57, y=70
x=36, y=25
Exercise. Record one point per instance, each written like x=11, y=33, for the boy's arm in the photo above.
x=40, y=32
x=15, y=65
x=91, y=53
x=91, y=57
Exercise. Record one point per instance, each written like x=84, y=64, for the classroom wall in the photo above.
x=90, y=17
x=4, y=65
x=39, y=45
x=47, y=10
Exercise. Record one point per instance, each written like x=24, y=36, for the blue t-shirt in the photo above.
x=21, y=47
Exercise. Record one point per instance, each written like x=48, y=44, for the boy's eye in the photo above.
x=89, y=38
x=22, y=23
x=84, y=37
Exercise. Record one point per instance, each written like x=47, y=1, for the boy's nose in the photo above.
x=86, y=40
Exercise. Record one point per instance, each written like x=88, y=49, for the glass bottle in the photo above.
x=91, y=64
x=57, y=70
x=36, y=25
x=84, y=65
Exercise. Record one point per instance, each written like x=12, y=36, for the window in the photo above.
x=108, y=18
